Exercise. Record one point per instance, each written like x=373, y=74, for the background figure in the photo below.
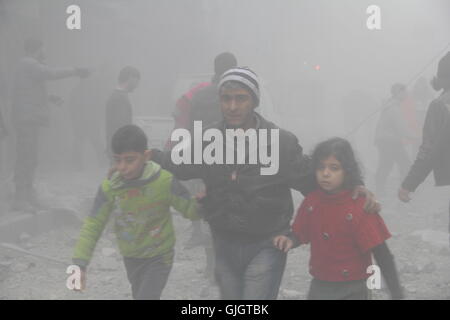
x=434, y=152
x=30, y=113
x=119, y=111
x=391, y=136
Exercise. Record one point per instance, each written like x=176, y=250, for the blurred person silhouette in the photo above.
x=434, y=152
x=31, y=113
x=391, y=136
x=119, y=111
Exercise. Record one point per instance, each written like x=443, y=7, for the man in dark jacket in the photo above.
x=434, y=153
x=119, y=111
x=30, y=113
x=244, y=208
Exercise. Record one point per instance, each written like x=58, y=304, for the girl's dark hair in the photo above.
x=343, y=152
x=129, y=138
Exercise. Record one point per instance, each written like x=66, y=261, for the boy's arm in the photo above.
x=92, y=229
x=181, y=171
x=181, y=200
x=386, y=262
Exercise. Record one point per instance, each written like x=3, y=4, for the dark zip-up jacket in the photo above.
x=250, y=206
x=434, y=153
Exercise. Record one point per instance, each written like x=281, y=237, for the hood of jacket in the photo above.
x=151, y=172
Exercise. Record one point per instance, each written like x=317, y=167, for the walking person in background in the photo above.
x=119, y=111
x=30, y=114
x=391, y=136
x=434, y=152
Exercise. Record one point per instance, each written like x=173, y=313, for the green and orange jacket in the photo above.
x=143, y=222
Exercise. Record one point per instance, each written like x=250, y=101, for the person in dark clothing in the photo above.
x=434, y=152
x=390, y=138
x=30, y=113
x=244, y=208
x=119, y=111
x=342, y=235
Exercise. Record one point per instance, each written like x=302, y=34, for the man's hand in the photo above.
x=403, y=195
x=371, y=205
x=82, y=281
x=283, y=243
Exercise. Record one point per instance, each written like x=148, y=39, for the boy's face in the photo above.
x=131, y=163
x=330, y=175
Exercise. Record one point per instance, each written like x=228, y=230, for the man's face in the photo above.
x=132, y=84
x=330, y=175
x=131, y=164
x=237, y=107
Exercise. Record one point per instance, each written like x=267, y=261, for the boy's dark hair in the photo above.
x=129, y=138
x=128, y=72
x=343, y=152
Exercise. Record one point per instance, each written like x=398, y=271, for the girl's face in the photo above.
x=330, y=175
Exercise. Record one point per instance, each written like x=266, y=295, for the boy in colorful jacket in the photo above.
x=142, y=193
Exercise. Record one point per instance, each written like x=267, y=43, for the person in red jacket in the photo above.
x=341, y=233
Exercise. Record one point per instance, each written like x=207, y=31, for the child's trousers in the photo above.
x=148, y=276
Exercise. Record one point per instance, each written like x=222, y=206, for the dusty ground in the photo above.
x=419, y=243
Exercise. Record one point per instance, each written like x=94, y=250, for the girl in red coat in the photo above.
x=342, y=235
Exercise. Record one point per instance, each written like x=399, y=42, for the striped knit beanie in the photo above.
x=244, y=76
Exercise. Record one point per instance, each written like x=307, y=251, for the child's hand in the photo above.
x=283, y=243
